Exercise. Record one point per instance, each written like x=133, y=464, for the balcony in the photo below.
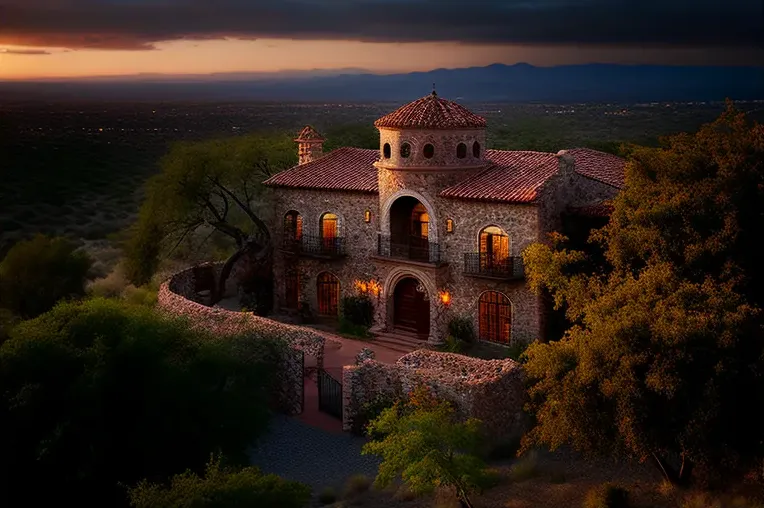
x=483, y=264
x=413, y=249
x=315, y=246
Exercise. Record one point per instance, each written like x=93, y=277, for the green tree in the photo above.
x=424, y=443
x=664, y=356
x=37, y=273
x=214, y=188
x=101, y=393
x=221, y=488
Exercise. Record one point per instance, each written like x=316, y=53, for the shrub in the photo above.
x=358, y=310
x=370, y=411
x=102, y=393
x=461, y=328
x=327, y=496
x=515, y=351
x=525, y=468
x=37, y=273
x=505, y=449
x=454, y=345
x=221, y=488
x=356, y=485
x=347, y=328
x=607, y=495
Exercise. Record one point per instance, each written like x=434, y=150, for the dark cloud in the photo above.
x=139, y=24
x=23, y=52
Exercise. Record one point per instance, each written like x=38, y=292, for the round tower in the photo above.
x=431, y=134
x=310, y=145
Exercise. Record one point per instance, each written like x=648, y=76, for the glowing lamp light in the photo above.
x=445, y=297
x=361, y=286
x=374, y=287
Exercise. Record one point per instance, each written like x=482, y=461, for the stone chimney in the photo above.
x=310, y=145
x=566, y=164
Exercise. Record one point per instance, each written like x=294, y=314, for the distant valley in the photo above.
x=520, y=83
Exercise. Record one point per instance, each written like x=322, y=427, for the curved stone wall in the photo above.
x=491, y=390
x=174, y=298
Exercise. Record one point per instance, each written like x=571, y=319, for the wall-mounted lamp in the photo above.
x=449, y=225
x=367, y=216
x=445, y=297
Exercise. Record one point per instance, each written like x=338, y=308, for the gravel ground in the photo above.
x=296, y=451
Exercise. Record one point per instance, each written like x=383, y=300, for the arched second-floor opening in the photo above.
x=292, y=226
x=410, y=229
x=494, y=248
x=495, y=317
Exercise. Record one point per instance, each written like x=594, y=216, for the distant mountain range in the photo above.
x=494, y=83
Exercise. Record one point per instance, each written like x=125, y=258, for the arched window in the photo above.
x=386, y=150
x=405, y=150
x=495, y=317
x=461, y=151
x=476, y=150
x=292, y=227
x=329, y=231
x=494, y=249
x=328, y=287
x=428, y=151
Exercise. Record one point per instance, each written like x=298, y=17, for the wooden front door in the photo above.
x=411, y=312
x=328, y=294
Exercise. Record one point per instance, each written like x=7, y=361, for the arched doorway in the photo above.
x=495, y=317
x=328, y=294
x=409, y=230
x=411, y=308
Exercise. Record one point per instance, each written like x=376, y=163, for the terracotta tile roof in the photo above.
x=512, y=176
x=308, y=133
x=605, y=167
x=349, y=169
x=431, y=112
x=509, y=176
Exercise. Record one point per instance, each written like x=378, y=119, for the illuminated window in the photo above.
x=367, y=216
x=449, y=225
x=494, y=317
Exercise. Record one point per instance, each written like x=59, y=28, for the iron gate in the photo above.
x=329, y=394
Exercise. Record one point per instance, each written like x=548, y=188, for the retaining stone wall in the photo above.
x=490, y=390
x=175, y=298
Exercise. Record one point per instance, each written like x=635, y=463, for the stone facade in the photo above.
x=492, y=391
x=415, y=165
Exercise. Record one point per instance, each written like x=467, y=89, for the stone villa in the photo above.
x=432, y=225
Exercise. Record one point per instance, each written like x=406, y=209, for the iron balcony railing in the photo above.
x=412, y=248
x=485, y=264
x=311, y=245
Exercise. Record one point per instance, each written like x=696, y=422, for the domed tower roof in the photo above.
x=431, y=113
x=308, y=133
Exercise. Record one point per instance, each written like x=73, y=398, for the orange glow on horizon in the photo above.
x=269, y=55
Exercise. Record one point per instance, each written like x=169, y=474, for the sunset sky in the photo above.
x=44, y=38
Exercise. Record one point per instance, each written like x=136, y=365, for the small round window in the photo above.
x=405, y=150
x=428, y=151
x=461, y=150
x=476, y=150
x=386, y=150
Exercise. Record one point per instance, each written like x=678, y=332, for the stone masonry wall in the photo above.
x=360, y=240
x=222, y=322
x=490, y=390
x=444, y=143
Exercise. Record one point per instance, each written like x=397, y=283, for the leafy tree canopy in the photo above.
x=424, y=443
x=212, y=188
x=222, y=488
x=665, y=355
x=103, y=393
x=37, y=273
